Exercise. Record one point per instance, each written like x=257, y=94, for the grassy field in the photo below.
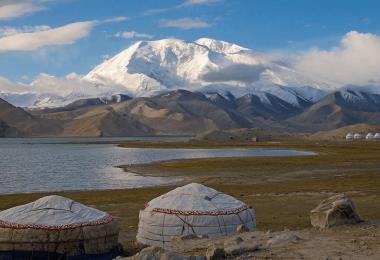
x=282, y=190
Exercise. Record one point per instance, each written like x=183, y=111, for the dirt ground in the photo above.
x=282, y=190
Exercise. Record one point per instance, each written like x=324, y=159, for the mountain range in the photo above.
x=176, y=87
x=149, y=68
x=181, y=112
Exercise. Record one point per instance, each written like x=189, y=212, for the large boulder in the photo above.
x=334, y=211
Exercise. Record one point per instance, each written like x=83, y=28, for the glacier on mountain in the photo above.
x=150, y=67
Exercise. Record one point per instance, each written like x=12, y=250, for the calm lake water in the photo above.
x=48, y=164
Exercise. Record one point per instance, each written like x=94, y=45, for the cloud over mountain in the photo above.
x=245, y=73
x=355, y=61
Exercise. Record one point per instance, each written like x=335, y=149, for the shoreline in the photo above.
x=291, y=185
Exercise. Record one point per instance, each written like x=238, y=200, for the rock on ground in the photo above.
x=361, y=241
x=336, y=210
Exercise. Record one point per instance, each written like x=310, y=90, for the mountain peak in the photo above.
x=147, y=68
x=220, y=46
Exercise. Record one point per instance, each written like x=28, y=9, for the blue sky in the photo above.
x=108, y=26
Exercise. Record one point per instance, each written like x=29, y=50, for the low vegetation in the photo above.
x=282, y=190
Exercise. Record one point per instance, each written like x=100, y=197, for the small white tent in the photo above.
x=349, y=136
x=57, y=227
x=192, y=209
x=358, y=136
x=369, y=136
x=376, y=136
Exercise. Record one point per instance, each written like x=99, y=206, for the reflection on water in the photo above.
x=32, y=165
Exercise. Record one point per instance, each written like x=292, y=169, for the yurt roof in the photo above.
x=53, y=212
x=196, y=199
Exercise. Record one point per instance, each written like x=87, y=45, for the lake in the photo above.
x=50, y=164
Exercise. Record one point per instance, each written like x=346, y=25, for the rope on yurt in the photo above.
x=217, y=216
x=251, y=214
x=240, y=218
x=187, y=223
x=162, y=233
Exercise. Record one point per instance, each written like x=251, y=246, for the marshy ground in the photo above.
x=282, y=190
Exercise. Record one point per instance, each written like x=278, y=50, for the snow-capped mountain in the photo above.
x=150, y=67
x=207, y=65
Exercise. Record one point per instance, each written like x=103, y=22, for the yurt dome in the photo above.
x=56, y=227
x=350, y=136
x=192, y=209
x=376, y=136
x=358, y=136
x=369, y=136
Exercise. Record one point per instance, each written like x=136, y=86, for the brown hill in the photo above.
x=243, y=135
x=340, y=133
x=338, y=110
x=181, y=112
x=21, y=123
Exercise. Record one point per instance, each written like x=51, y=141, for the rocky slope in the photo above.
x=340, y=109
x=15, y=121
x=181, y=112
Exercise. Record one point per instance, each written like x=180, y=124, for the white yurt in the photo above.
x=369, y=136
x=193, y=209
x=350, y=136
x=376, y=136
x=57, y=227
x=358, y=136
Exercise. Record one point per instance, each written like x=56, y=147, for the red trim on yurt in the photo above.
x=105, y=220
x=197, y=212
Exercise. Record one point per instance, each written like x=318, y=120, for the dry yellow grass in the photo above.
x=282, y=190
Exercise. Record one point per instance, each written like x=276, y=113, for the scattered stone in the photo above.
x=190, y=236
x=215, y=253
x=157, y=253
x=242, y=229
x=283, y=239
x=336, y=210
x=233, y=241
x=242, y=248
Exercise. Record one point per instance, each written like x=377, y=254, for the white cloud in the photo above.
x=133, y=34
x=186, y=3
x=8, y=30
x=115, y=19
x=30, y=41
x=355, y=61
x=185, y=23
x=62, y=86
x=48, y=90
x=8, y=86
x=33, y=38
x=197, y=2
x=13, y=9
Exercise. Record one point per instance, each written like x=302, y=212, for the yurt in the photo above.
x=350, y=136
x=56, y=227
x=193, y=209
x=376, y=136
x=369, y=136
x=358, y=136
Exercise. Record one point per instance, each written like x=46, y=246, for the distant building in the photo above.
x=358, y=136
x=350, y=136
x=369, y=136
x=376, y=136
